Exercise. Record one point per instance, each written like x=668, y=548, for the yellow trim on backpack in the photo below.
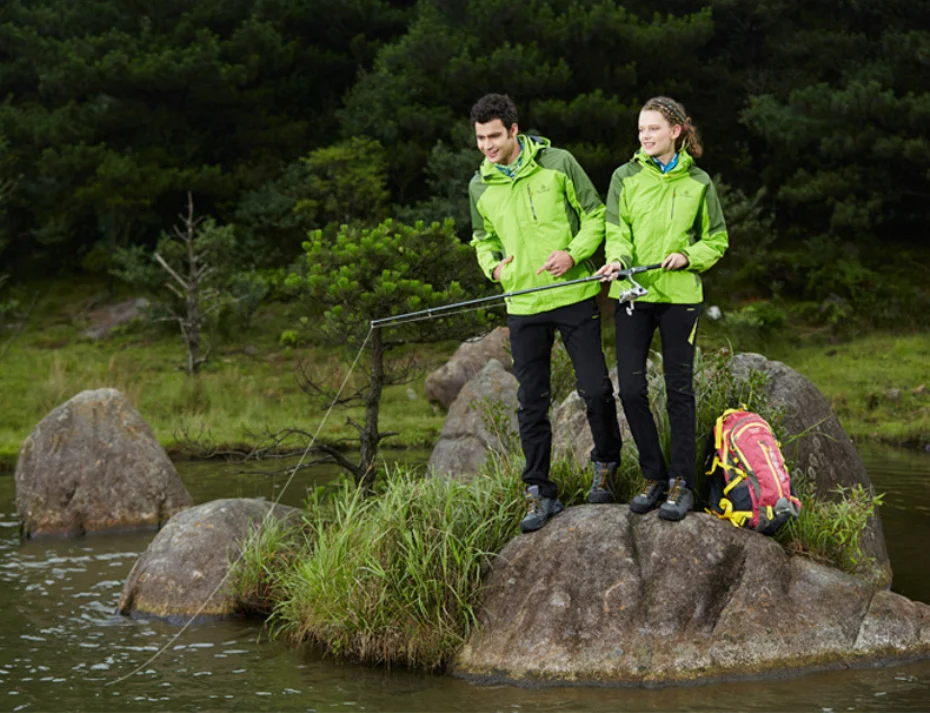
x=737, y=518
x=736, y=481
x=768, y=458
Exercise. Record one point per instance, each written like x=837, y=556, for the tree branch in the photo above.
x=170, y=270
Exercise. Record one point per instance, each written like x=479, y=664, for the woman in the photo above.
x=661, y=208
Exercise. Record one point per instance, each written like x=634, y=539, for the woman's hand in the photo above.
x=608, y=273
x=675, y=261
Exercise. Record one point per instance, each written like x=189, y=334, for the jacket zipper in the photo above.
x=674, y=195
x=529, y=192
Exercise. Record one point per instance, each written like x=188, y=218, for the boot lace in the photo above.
x=533, y=504
x=676, y=491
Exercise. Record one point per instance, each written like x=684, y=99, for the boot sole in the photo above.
x=672, y=516
x=524, y=529
x=643, y=509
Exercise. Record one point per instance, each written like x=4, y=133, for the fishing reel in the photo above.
x=631, y=294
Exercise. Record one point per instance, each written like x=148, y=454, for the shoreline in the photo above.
x=8, y=462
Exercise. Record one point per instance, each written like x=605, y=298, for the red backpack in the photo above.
x=749, y=482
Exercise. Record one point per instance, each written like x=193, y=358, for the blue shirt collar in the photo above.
x=666, y=167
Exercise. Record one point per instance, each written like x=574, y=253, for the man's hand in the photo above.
x=675, y=261
x=608, y=273
x=558, y=263
x=500, y=268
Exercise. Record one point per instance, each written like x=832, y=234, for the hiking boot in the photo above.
x=678, y=501
x=602, y=484
x=650, y=496
x=538, y=509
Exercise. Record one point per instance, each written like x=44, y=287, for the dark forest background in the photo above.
x=281, y=117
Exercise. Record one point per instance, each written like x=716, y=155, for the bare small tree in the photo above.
x=190, y=289
x=195, y=256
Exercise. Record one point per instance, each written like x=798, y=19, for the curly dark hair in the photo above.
x=494, y=106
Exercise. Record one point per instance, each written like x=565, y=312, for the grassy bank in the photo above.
x=878, y=384
x=250, y=387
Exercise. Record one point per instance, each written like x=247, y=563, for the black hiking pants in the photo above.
x=677, y=325
x=531, y=340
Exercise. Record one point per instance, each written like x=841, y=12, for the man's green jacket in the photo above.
x=651, y=214
x=549, y=204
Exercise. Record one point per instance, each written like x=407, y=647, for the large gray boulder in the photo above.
x=444, y=384
x=183, y=571
x=600, y=595
x=822, y=451
x=93, y=464
x=483, y=417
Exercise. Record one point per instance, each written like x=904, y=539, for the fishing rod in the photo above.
x=636, y=291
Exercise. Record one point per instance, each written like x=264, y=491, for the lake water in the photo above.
x=61, y=643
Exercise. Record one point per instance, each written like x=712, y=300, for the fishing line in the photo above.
x=270, y=511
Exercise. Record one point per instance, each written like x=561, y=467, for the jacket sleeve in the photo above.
x=619, y=242
x=583, y=197
x=713, y=243
x=487, y=244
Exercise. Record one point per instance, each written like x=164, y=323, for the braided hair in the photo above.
x=675, y=113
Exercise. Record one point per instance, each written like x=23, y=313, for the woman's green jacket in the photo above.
x=651, y=214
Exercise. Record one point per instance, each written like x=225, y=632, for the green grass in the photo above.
x=830, y=531
x=235, y=400
x=858, y=378
x=391, y=579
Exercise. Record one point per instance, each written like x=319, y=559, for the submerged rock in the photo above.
x=601, y=595
x=188, y=560
x=821, y=449
x=94, y=464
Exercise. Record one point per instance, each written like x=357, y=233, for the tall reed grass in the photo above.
x=390, y=579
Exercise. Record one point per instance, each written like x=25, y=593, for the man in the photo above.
x=536, y=220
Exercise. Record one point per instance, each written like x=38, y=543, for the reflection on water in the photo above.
x=904, y=478
x=60, y=642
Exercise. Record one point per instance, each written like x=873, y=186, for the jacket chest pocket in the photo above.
x=542, y=201
x=683, y=206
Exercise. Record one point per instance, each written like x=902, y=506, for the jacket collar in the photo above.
x=684, y=163
x=531, y=145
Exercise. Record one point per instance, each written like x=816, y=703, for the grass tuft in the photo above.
x=394, y=579
x=830, y=531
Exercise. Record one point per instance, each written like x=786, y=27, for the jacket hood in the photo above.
x=531, y=145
